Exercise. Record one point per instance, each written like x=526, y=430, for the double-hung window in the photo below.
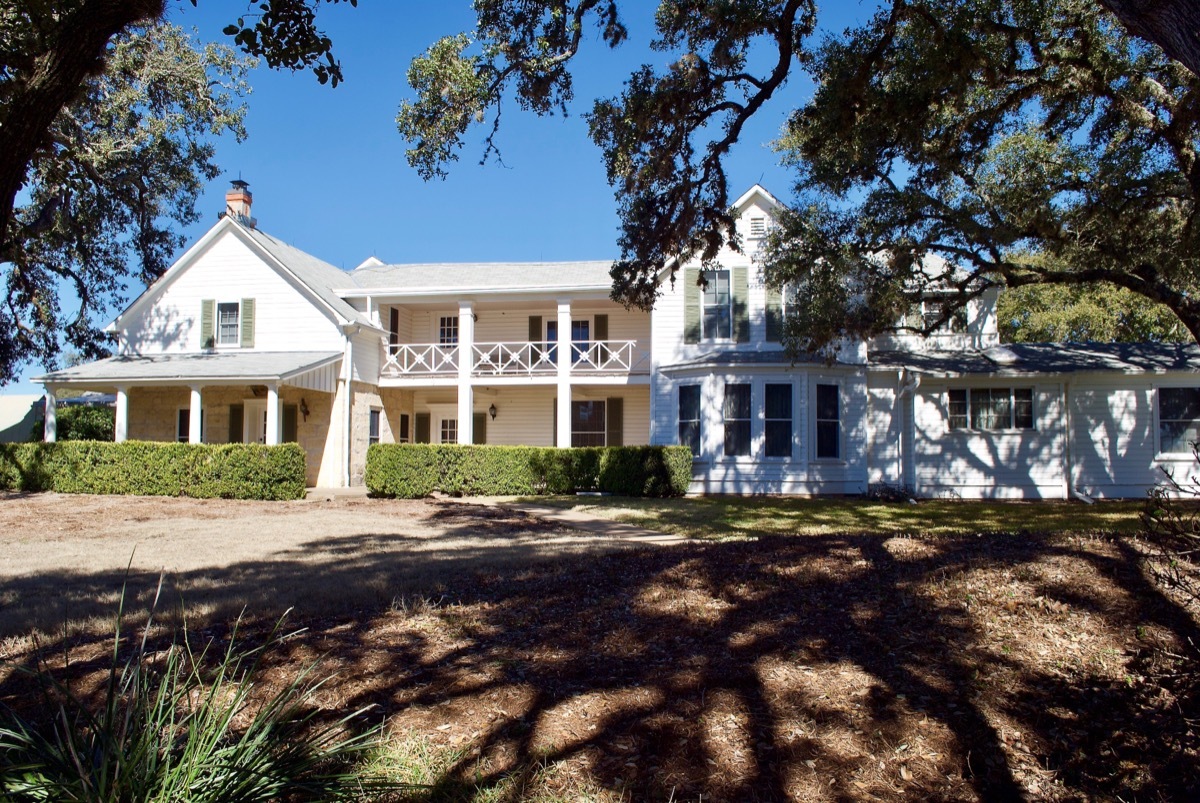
x=588, y=423
x=828, y=421
x=448, y=330
x=1178, y=419
x=778, y=420
x=990, y=408
x=737, y=420
x=373, y=426
x=229, y=324
x=448, y=430
x=689, y=418
x=716, y=318
x=581, y=336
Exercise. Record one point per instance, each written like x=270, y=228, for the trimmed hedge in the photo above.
x=204, y=471
x=411, y=471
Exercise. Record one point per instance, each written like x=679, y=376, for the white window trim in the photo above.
x=604, y=431
x=697, y=383
x=378, y=412
x=704, y=336
x=791, y=457
x=1011, y=429
x=1159, y=453
x=755, y=419
x=840, y=383
x=237, y=340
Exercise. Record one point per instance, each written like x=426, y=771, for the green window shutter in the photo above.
x=237, y=414
x=421, y=435
x=741, y=315
x=774, y=316
x=616, y=422
x=691, y=306
x=600, y=327
x=208, y=311
x=247, y=323
x=479, y=428
x=535, y=329
x=289, y=424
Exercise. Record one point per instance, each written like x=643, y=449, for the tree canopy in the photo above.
x=981, y=130
x=1101, y=312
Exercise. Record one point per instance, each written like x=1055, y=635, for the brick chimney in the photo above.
x=238, y=201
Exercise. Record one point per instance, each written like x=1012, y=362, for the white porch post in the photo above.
x=121, y=424
x=273, y=423
x=194, y=419
x=466, y=359
x=565, y=358
x=50, y=429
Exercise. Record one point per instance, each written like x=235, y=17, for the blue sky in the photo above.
x=327, y=167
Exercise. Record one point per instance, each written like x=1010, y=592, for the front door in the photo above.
x=256, y=421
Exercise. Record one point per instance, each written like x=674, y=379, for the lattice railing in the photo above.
x=424, y=359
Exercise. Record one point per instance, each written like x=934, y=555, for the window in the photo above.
x=758, y=226
x=580, y=337
x=737, y=420
x=990, y=408
x=405, y=431
x=1178, y=419
x=448, y=330
x=373, y=427
x=587, y=423
x=933, y=309
x=829, y=428
x=716, y=318
x=183, y=425
x=689, y=418
x=229, y=329
x=778, y=425
x=448, y=430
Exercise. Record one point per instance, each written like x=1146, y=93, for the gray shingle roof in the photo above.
x=239, y=365
x=484, y=276
x=1047, y=358
x=771, y=357
x=321, y=277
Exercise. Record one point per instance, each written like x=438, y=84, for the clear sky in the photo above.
x=327, y=167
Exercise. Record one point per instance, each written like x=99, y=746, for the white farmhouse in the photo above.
x=246, y=338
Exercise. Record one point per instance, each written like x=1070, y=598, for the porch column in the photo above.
x=466, y=360
x=273, y=423
x=121, y=422
x=50, y=428
x=565, y=358
x=194, y=419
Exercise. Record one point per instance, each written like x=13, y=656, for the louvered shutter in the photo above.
x=421, y=433
x=247, y=323
x=774, y=316
x=237, y=415
x=691, y=306
x=208, y=311
x=615, y=408
x=479, y=428
x=290, y=426
x=741, y=315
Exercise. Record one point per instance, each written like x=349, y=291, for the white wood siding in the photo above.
x=885, y=423
x=286, y=319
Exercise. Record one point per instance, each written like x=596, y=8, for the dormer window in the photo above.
x=716, y=313
x=932, y=310
x=229, y=324
x=758, y=226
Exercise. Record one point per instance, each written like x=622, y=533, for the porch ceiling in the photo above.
x=241, y=367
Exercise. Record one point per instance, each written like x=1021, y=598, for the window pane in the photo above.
x=827, y=402
x=448, y=331
x=1179, y=404
x=779, y=401
x=737, y=401
x=717, y=319
x=779, y=438
x=449, y=430
x=981, y=408
x=689, y=436
x=958, y=408
x=228, y=325
x=689, y=403
x=373, y=427
x=737, y=438
x=828, y=439
x=1023, y=408
x=1178, y=436
x=581, y=439
x=587, y=416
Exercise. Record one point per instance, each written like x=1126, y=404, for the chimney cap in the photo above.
x=239, y=184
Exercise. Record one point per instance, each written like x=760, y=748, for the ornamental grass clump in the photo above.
x=179, y=725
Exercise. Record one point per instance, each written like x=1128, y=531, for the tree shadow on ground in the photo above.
x=840, y=667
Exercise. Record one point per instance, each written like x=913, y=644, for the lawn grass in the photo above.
x=721, y=518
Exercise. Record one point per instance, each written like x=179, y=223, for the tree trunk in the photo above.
x=1173, y=25
x=73, y=51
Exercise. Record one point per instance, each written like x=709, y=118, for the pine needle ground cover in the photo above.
x=964, y=664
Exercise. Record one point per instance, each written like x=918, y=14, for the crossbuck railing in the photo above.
x=515, y=359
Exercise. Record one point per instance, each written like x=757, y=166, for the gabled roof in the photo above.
x=1017, y=359
x=241, y=366
x=317, y=277
x=481, y=276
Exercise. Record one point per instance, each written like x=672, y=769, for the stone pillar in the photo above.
x=194, y=416
x=121, y=424
x=565, y=358
x=274, y=428
x=466, y=360
x=50, y=429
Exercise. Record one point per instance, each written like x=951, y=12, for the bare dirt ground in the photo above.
x=785, y=668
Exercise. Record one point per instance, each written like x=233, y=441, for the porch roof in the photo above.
x=376, y=278
x=1016, y=359
x=242, y=367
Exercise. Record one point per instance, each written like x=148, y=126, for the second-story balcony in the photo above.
x=597, y=357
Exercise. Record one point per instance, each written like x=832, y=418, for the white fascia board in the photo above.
x=477, y=292
x=760, y=192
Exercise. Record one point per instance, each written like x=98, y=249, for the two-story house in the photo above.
x=246, y=338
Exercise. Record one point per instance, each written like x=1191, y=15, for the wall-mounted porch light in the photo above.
x=304, y=408
x=492, y=411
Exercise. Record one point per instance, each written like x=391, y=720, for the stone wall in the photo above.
x=392, y=403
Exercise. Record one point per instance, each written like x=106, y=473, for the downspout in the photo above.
x=348, y=378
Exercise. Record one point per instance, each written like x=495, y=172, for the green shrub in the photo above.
x=78, y=422
x=206, y=471
x=411, y=471
x=181, y=725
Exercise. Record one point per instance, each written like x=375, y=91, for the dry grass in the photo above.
x=832, y=666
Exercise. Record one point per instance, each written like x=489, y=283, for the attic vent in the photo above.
x=758, y=226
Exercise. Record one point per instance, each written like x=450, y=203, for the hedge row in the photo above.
x=411, y=471
x=205, y=471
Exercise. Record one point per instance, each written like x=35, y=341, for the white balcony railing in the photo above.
x=516, y=359
x=421, y=359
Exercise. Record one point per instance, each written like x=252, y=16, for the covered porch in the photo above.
x=236, y=397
